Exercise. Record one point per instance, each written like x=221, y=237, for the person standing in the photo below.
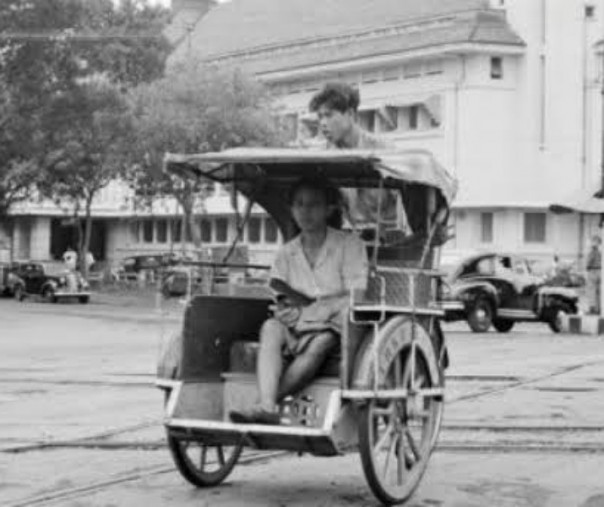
x=594, y=271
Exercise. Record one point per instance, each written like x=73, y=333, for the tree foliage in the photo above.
x=47, y=50
x=195, y=110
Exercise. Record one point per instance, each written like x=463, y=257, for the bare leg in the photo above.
x=270, y=362
x=304, y=368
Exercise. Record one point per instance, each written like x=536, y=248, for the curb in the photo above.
x=583, y=324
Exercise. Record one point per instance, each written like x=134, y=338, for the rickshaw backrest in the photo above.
x=212, y=324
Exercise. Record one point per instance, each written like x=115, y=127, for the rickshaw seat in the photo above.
x=244, y=355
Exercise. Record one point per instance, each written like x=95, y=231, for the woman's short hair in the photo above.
x=337, y=96
x=333, y=196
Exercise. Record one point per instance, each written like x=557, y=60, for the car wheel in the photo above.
x=557, y=316
x=49, y=295
x=19, y=293
x=83, y=299
x=480, y=316
x=503, y=325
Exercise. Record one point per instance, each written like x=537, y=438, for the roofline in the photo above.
x=435, y=50
x=410, y=24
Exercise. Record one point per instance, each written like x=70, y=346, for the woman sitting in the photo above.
x=313, y=275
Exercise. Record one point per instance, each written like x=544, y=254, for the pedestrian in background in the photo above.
x=594, y=270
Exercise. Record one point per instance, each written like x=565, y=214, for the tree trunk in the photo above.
x=85, y=244
x=188, y=205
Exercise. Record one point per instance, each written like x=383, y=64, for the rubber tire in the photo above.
x=503, y=325
x=49, y=295
x=553, y=322
x=365, y=443
x=84, y=299
x=476, y=324
x=195, y=476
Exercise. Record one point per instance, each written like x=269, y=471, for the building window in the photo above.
x=370, y=77
x=205, y=228
x=270, y=231
x=367, y=120
x=135, y=231
x=434, y=67
x=413, y=117
x=486, y=227
x=222, y=230
x=496, y=67
x=162, y=231
x=590, y=11
x=412, y=70
x=289, y=126
x=392, y=73
x=253, y=230
x=176, y=230
x=148, y=231
x=535, y=227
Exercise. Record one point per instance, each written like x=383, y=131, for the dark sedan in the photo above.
x=493, y=289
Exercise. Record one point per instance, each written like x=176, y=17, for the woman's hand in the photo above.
x=287, y=315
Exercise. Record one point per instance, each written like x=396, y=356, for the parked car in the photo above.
x=499, y=290
x=33, y=280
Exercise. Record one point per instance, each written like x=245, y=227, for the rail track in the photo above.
x=499, y=439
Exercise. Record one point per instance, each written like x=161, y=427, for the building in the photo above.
x=506, y=93
x=42, y=229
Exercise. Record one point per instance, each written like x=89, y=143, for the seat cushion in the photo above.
x=244, y=355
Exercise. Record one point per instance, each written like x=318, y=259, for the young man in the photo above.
x=323, y=263
x=336, y=107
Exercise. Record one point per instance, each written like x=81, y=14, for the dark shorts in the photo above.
x=298, y=342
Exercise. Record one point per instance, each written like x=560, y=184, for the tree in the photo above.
x=47, y=48
x=89, y=135
x=195, y=110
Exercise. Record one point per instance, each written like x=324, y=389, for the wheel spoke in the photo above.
x=390, y=452
x=400, y=459
x=412, y=445
x=387, y=432
x=220, y=455
x=202, y=461
x=397, y=371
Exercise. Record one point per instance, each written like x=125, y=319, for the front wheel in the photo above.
x=19, y=293
x=503, y=325
x=84, y=299
x=49, y=295
x=480, y=315
x=203, y=465
x=397, y=435
x=557, y=316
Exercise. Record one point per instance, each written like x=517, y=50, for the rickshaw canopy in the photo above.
x=345, y=168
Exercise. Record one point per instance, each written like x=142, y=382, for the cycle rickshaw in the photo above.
x=383, y=395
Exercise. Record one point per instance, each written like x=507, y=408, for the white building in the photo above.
x=506, y=93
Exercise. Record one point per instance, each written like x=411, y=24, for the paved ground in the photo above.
x=80, y=421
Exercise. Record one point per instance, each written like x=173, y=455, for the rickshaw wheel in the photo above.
x=194, y=460
x=396, y=436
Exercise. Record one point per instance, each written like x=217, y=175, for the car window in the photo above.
x=485, y=266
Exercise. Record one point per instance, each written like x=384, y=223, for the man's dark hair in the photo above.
x=337, y=96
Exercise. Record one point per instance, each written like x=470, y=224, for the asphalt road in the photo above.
x=80, y=421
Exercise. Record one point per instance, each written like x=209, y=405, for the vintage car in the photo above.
x=33, y=280
x=499, y=289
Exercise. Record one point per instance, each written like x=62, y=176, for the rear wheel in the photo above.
x=480, y=315
x=397, y=435
x=503, y=325
x=84, y=299
x=203, y=465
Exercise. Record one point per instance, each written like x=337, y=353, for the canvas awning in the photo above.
x=589, y=201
